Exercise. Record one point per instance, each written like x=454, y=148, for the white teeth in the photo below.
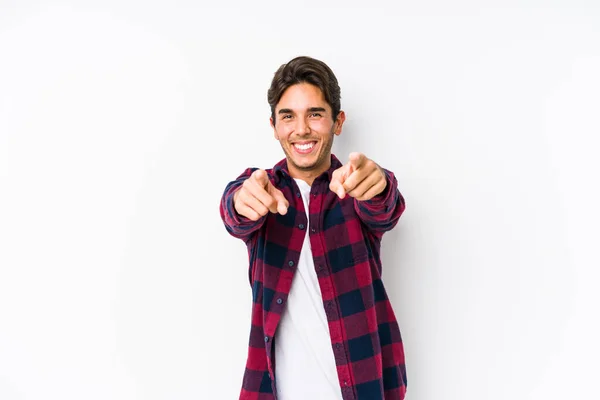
x=305, y=146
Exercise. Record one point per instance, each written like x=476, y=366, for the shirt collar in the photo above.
x=281, y=168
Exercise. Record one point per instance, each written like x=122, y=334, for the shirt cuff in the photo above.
x=383, y=198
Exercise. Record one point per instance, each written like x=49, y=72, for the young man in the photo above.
x=322, y=325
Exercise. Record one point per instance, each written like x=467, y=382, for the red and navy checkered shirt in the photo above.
x=345, y=237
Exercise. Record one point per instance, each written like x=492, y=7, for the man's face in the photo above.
x=305, y=127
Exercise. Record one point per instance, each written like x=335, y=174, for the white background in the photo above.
x=121, y=123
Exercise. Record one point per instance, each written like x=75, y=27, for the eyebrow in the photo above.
x=311, y=109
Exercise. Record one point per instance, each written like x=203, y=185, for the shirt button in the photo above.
x=338, y=346
x=298, y=194
x=279, y=301
x=313, y=230
x=291, y=263
x=266, y=339
x=301, y=226
x=346, y=383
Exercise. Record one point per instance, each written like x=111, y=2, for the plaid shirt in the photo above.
x=345, y=236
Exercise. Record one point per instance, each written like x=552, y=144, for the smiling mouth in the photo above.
x=304, y=147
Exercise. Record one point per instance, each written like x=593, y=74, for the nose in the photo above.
x=302, y=127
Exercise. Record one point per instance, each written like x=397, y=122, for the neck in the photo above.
x=308, y=176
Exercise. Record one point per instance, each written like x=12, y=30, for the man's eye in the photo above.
x=315, y=115
x=286, y=117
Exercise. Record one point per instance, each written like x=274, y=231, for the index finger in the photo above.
x=260, y=176
x=357, y=159
x=258, y=190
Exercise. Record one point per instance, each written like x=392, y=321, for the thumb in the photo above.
x=282, y=203
x=337, y=182
x=338, y=188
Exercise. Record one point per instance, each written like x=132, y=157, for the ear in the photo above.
x=339, y=121
x=273, y=126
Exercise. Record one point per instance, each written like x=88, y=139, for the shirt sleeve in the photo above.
x=237, y=225
x=381, y=213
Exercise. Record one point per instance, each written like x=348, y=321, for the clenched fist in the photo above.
x=360, y=178
x=257, y=196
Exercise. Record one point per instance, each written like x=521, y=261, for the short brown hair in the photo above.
x=305, y=70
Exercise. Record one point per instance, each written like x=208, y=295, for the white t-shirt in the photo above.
x=304, y=361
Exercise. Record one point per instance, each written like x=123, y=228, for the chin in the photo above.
x=307, y=165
